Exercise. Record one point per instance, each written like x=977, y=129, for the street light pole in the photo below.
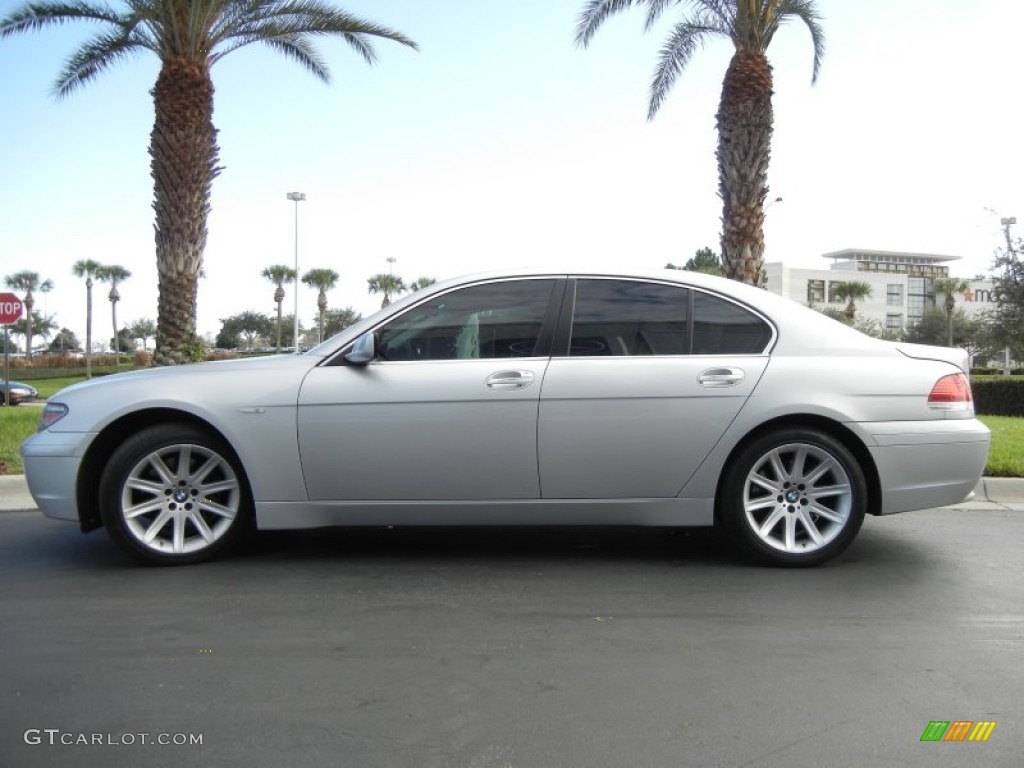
x=296, y=197
x=1007, y=223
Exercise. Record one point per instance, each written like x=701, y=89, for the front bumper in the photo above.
x=52, y=461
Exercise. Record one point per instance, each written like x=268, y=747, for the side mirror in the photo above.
x=364, y=350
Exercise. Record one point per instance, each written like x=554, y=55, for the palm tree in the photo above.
x=26, y=281
x=189, y=37
x=853, y=291
x=950, y=287
x=323, y=280
x=279, y=274
x=386, y=284
x=88, y=269
x=744, y=118
x=114, y=274
x=144, y=329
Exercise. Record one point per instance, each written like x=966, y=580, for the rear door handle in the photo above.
x=509, y=380
x=720, y=377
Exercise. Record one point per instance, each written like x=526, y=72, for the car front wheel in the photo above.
x=173, y=495
x=796, y=497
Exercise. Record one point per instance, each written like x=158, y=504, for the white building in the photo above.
x=901, y=284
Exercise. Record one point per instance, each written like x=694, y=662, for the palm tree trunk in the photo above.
x=744, y=147
x=29, y=304
x=279, y=326
x=117, y=342
x=88, y=328
x=183, y=152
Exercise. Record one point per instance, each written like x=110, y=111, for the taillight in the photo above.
x=951, y=393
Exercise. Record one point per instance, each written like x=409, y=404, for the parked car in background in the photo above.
x=20, y=392
x=527, y=398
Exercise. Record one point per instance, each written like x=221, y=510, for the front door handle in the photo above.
x=509, y=380
x=720, y=377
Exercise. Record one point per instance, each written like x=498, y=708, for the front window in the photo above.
x=492, y=320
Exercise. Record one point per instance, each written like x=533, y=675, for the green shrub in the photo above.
x=998, y=395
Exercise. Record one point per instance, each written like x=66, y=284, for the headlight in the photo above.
x=52, y=413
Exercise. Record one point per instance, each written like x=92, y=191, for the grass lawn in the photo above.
x=1006, y=457
x=16, y=424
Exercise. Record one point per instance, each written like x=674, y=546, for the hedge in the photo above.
x=998, y=395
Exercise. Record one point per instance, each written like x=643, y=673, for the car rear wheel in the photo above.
x=795, y=497
x=173, y=495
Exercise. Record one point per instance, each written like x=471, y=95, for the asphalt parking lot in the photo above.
x=478, y=648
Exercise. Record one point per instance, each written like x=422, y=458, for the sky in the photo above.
x=500, y=144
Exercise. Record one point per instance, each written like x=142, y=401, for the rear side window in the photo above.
x=723, y=328
x=631, y=318
x=622, y=317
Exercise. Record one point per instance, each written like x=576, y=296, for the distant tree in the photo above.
x=227, y=338
x=971, y=333
x=143, y=329
x=279, y=274
x=422, y=282
x=323, y=280
x=249, y=325
x=389, y=285
x=114, y=274
x=852, y=291
x=88, y=269
x=950, y=287
x=28, y=282
x=705, y=260
x=1008, y=292
x=337, y=320
x=125, y=341
x=64, y=342
x=33, y=324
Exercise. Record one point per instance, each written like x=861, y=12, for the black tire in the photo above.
x=173, y=495
x=795, y=498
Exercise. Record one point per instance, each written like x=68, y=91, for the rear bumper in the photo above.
x=928, y=464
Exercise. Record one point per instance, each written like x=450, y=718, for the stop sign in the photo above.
x=10, y=308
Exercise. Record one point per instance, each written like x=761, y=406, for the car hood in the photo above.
x=192, y=372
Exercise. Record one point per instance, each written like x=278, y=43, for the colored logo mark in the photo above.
x=958, y=730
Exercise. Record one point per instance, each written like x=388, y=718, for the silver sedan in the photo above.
x=527, y=398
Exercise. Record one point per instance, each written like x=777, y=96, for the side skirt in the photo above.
x=283, y=515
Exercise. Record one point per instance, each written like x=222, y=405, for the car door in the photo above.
x=644, y=380
x=447, y=411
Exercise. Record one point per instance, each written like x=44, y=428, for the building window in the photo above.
x=894, y=295
x=919, y=298
x=894, y=322
x=833, y=284
x=815, y=291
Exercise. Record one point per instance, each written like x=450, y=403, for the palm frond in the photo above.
x=291, y=46
x=301, y=17
x=654, y=11
x=594, y=14
x=35, y=16
x=807, y=12
x=673, y=57
x=93, y=58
